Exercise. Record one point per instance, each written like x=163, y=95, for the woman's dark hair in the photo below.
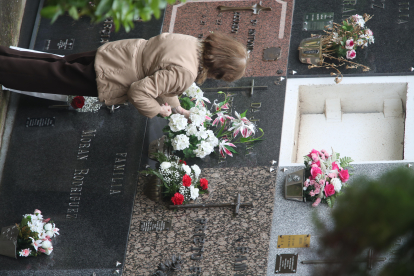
x=223, y=58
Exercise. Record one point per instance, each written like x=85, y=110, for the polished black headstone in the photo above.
x=82, y=173
x=265, y=106
x=392, y=52
x=86, y=36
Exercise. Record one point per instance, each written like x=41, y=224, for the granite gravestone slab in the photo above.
x=82, y=172
x=264, y=108
x=389, y=55
x=256, y=31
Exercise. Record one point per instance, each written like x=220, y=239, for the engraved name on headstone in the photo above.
x=59, y=44
x=40, y=122
x=159, y=225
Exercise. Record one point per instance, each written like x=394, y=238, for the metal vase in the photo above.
x=8, y=241
x=153, y=188
x=294, y=185
x=310, y=50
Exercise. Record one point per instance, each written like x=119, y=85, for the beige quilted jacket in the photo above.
x=147, y=73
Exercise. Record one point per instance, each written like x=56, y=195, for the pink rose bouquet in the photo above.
x=325, y=176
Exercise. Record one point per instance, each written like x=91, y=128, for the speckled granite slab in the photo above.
x=224, y=233
x=272, y=28
x=295, y=218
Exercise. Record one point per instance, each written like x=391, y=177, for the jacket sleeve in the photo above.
x=172, y=101
x=166, y=83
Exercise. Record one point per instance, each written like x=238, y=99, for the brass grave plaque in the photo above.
x=293, y=241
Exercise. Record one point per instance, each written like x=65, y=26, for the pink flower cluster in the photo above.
x=321, y=185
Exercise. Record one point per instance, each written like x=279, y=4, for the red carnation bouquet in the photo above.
x=326, y=176
x=181, y=182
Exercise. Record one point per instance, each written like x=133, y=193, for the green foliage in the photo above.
x=123, y=12
x=372, y=214
x=345, y=162
x=186, y=103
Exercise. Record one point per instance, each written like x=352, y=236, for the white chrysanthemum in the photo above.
x=192, y=91
x=198, y=115
x=165, y=165
x=177, y=122
x=212, y=139
x=197, y=119
x=193, y=192
x=336, y=182
x=180, y=142
x=202, y=133
x=191, y=129
x=196, y=170
x=35, y=226
x=186, y=168
x=203, y=149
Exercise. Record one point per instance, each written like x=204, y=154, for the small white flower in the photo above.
x=193, y=192
x=336, y=182
x=165, y=165
x=25, y=252
x=202, y=133
x=48, y=227
x=180, y=142
x=196, y=170
x=191, y=129
x=186, y=168
x=46, y=244
x=48, y=250
x=177, y=122
x=203, y=149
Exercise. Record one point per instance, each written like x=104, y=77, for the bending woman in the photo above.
x=148, y=73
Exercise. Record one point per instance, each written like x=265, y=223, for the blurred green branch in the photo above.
x=123, y=12
x=372, y=214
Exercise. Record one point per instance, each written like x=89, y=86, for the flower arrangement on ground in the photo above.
x=205, y=130
x=180, y=181
x=35, y=235
x=342, y=41
x=84, y=104
x=326, y=176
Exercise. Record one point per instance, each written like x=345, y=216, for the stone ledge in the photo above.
x=4, y=102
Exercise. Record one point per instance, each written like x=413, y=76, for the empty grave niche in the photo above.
x=362, y=121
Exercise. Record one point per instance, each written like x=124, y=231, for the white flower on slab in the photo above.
x=197, y=170
x=203, y=149
x=165, y=165
x=180, y=142
x=25, y=252
x=191, y=129
x=193, y=192
x=336, y=182
x=177, y=122
x=186, y=168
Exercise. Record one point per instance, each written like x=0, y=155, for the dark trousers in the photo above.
x=37, y=72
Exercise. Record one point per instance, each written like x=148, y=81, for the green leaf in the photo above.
x=74, y=13
x=243, y=114
x=49, y=11
x=230, y=149
x=344, y=162
x=328, y=200
x=103, y=7
x=333, y=198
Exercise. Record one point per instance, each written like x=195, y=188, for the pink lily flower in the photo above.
x=242, y=125
x=224, y=106
x=223, y=150
x=221, y=117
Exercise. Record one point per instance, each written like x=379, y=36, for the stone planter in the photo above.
x=310, y=50
x=294, y=186
x=153, y=188
x=8, y=241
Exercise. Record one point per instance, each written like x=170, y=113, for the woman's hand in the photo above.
x=165, y=110
x=183, y=111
